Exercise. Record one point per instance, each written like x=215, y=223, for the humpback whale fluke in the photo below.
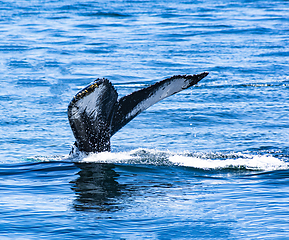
x=95, y=114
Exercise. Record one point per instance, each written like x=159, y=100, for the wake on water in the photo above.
x=204, y=161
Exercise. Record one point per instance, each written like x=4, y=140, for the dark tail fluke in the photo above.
x=130, y=106
x=95, y=114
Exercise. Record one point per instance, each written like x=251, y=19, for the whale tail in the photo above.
x=95, y=114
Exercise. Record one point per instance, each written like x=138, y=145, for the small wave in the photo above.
x=198, y=160
x=49, y=158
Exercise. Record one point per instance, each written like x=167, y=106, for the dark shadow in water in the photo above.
x=97, y=187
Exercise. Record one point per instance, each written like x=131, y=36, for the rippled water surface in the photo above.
x=211, y=162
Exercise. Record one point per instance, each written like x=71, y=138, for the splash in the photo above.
x=268, y=163
x=197, y=160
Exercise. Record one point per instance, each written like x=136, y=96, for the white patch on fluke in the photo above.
x=159, y=94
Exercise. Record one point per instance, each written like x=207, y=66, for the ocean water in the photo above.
x=211, y=162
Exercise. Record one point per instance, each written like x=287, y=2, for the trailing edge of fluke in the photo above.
x=95, y=113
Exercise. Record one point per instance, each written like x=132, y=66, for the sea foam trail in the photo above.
x=201, y=161
x=253, y=163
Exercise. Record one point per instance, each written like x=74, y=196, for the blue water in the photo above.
x=211, y=162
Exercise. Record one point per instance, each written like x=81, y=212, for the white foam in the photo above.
x=249, y=162
x=201, y=161
x=49, y=158
x=108, y=157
